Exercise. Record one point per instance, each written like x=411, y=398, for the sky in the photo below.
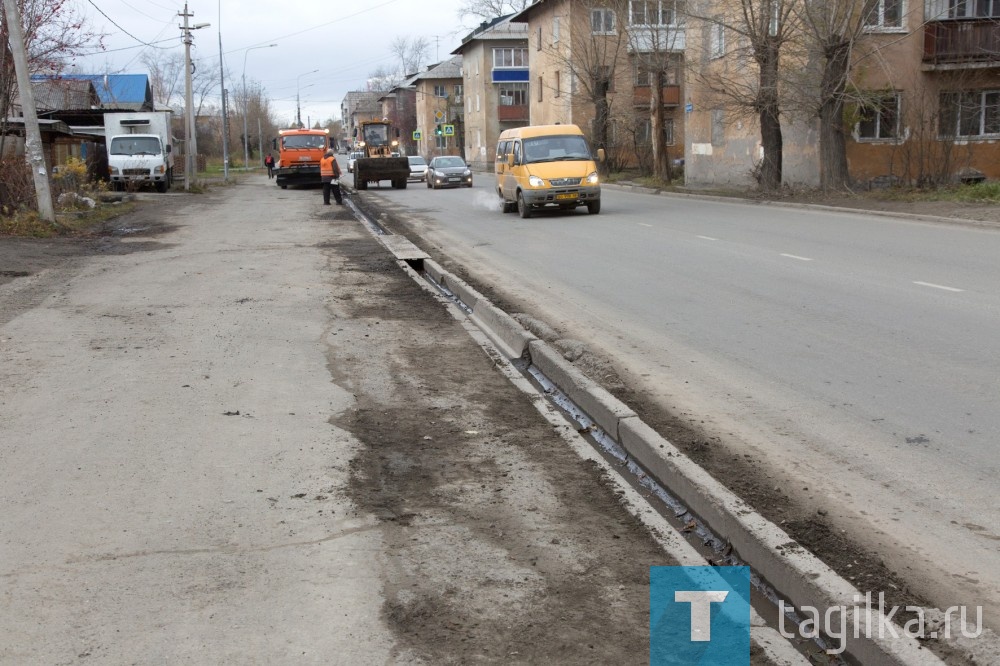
x=344, y=40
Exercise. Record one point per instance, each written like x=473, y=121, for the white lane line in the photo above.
x=643, y=224
x=938, y=286
x=708, y=238
x=796, y=257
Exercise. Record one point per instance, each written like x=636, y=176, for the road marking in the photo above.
x=938, y=286
x=643, y=224
x=796, y=257
x=708, y=238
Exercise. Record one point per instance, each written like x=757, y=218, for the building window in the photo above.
x=440, y=91
x=458, y=93
x=509, y=58
x=513, y=94
x=651, y=12
x=441, y=142
x=645, y=131
x=970, y=114
x=539, y=38
x=717, y=43
x=973, y=8
x=555, y=30
x=602, y=21
x=540, y=89
x=879, y=119
x=557, y=90
x=644, y=74
x=883, y=14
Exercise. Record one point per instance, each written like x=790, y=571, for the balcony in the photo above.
x=670, y=95
x=512, y=112
x=972, y=41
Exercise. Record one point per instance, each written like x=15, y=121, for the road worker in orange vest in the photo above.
x=329, y=171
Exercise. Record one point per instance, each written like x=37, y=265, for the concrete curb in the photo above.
x=796, y=573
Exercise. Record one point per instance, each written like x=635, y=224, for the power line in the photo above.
x=101, y=11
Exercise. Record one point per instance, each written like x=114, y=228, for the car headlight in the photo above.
x=467, y=173
x=535, y=181
x=113, y=170
x=593, y=179
x=160, y=169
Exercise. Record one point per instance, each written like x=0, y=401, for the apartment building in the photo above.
x=921, y=100
x=930, y=77
x=495, y=77
x=439, y=114
x=357, y=106
x=593, y=61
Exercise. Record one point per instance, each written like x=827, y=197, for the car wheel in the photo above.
x=594, y=207
x=523, y=209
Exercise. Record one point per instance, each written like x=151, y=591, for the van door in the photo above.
x=509, y=176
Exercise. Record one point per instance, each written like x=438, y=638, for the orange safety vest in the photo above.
x=328, y=167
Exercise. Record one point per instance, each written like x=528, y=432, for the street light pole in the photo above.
x=246, y=104
x=190, y=146
x=298, y=106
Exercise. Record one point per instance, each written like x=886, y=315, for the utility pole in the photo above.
x=190, y=139
x=225, y=116
x=32, y=134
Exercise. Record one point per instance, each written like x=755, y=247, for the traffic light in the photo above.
x=438, y=131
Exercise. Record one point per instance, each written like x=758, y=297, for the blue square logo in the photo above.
x=699, y=615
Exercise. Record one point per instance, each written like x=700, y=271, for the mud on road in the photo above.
x=461, y=526
x=501, y=544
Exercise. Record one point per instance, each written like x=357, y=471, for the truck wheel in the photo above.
x=523, y=209
x=399, y=183
x=594, y=207
x=161, y=186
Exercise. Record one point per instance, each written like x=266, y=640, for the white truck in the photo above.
x=140, y=149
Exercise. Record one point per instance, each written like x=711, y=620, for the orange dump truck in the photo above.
x=299, y=153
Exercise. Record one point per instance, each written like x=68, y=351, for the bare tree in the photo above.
x=490, y=9
x=654, y=29
x=411, y=52
x=165, y=75
x=763, y=27
x=382, y=79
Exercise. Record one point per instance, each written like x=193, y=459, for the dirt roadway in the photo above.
x=252, y=439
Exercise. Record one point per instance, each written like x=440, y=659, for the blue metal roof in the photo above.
x=125, y=91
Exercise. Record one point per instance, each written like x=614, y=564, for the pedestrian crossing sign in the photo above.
x=449, y=130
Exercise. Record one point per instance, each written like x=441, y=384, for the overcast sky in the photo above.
x=344, y=40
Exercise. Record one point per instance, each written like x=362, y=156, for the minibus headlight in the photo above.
x=535, y=181
x=593, y=179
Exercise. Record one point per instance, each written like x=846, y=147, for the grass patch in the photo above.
x=987, y=192
x=28, y=224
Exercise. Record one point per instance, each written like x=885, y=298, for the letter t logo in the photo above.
x=701, y=611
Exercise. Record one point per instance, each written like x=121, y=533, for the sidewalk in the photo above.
x=247, y=436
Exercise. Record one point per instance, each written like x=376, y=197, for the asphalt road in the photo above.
x=859, y=355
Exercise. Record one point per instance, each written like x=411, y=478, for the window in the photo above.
x=513, y=94
x=508, y=58
x=602, y=21
x=879, y=119
x=557, y=91
x=970, y=114
x=651, y=12
x=973, y=8
x=440, y=91
x=717, y=42
x=458, y=92
x=539, y=38
x=540, y=89
x=645, y=131
x=555, y=30
x=442, y=142
x=883, y=14
x=644, y=74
